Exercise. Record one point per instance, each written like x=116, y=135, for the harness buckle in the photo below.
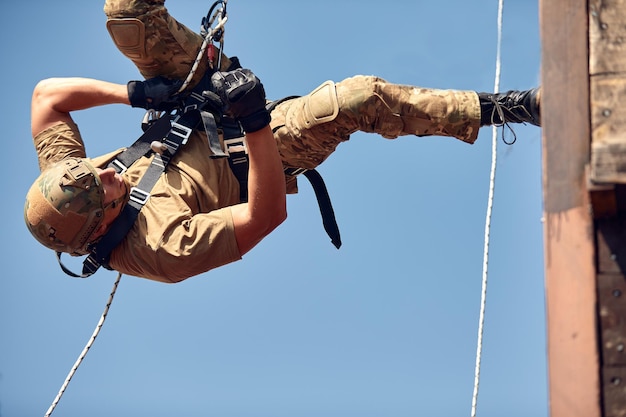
x=139, y=196
x=181, y=131
x=295, y=171
x=149, y=118
x=235, y=145
x=119, y=167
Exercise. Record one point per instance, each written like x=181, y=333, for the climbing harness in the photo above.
x=164, y=134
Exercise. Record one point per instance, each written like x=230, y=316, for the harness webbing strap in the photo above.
x=237, y=152
x=210, y=128
x=326, y=207
x=178, y=133
x=157, y=131
x=323, y=201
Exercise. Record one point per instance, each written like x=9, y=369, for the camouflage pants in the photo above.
x=309, y=128
x=144, y=31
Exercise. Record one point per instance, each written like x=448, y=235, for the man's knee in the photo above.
x=321, y=105
x=129, y=35
x=373, y=103
x=358, y=91
x=126, y=24
x=131, y=8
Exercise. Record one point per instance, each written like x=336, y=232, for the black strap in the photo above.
x=178, y=134
x=323, y=201
x=272, y=105
x=235, y=149
x=156, y=131
x=326, y=207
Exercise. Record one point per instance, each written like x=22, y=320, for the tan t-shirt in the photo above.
x=186, y=227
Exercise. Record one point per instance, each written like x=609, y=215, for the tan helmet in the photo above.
x=65, y=205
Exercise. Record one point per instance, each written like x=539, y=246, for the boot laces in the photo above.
x=499, y=110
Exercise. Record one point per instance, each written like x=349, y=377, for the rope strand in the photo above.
x=86, y=349
x=492, y=183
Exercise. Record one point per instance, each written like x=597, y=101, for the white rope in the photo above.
x=86, y=349
x=208, y=38
x=492, y=184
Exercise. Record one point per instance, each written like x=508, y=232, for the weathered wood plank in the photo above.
x=573, y=357
x=612, y=305
x=607, y=68
x=614, y=382
x=611, y=245
x=607, y=36
x=608, y=121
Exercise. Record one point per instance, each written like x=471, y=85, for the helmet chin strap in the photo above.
x=113, y=205
x=120, y=201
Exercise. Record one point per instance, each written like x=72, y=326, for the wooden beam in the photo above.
x=607, y=70
x=573, y=364
x=611, y=243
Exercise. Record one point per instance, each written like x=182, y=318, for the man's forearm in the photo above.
x=55, y=98
x=266, y=206
x=266, y=181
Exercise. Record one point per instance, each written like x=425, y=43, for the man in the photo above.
x=194, y=219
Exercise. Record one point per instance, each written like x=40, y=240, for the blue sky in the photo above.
x=386, y=326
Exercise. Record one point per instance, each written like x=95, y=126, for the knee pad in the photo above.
x=321, y=105
x=129, y=35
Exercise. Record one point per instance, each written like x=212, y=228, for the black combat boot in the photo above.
x=510, y=107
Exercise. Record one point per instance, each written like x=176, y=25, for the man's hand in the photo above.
x=157, y=93
x=244, y=98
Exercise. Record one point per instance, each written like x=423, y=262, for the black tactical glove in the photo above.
x=243, y=96
x=157, y=93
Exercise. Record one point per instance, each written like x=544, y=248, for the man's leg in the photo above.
x=144, y=31
x=309, y=128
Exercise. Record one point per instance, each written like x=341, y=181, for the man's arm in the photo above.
x=243, y=96
x=266, y=207
x=54, y=98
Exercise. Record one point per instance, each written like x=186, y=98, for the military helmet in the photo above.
x=65, y=205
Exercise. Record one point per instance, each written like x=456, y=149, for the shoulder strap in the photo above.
x=177, y=135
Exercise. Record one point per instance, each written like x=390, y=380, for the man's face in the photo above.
x=114, y=188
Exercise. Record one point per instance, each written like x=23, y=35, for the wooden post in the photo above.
x=584, y=129
x=573, y=360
